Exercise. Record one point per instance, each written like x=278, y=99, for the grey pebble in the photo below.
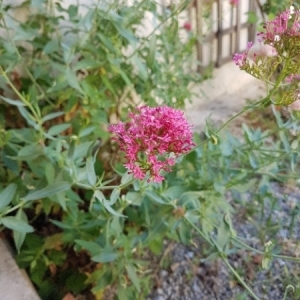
x=188, y=279
x=164, y=273
x=159, y=298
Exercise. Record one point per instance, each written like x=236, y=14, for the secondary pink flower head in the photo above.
x=285, y=24
x=234, y=2
x=187, y=26
x=293, y=77
x=152, y=139
x=240, y=59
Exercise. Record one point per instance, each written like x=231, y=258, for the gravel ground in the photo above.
x=189, y=277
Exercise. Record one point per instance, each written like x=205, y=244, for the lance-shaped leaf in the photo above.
x=50, y=190
x=7, y=195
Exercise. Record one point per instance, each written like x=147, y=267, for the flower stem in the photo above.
x=290, y=258
x=238, y=277
x=199, y=231
x=21, y=97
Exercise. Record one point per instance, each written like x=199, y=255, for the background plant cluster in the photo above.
x=78, y=221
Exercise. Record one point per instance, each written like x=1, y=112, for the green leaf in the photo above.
x=19, y=236
x=105, y=257
x=13, y=102
x=111, y=210
x=48, y=191
x=155, y=197
x=131, y=271
x=141, y=66
x=184, y=232
x=156, y=245
x=30, y=152
x=86, y=63
x=15, y=224
x=90, y=171
x=76, y=282
x=72, y=80
x=49, y=172
x=285, y=141
x=126, y=178
x=7, y=195
x=123, y=75
x=92, y=247
x=108, y=85
x=99, y=195
x=87, y=131
x=173, y=192
x=114, y=196
x=51, y=47
x=57, y=129
x=226, y=148
x=266, y=262
x=127, y=34
x=152, y=49
x=28, y=117
x=253, y=161
x=52, y=116
x=107, y=43
x=252, y=17
x=134, y=198
x=245, y=186
x=223, y=235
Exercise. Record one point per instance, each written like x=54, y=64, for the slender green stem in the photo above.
x=279, y=80
x=22, y=98
x=15, y=208
x=289, y=287
x=111, y=187
x=107, y=187
x=290, y=258
x=246, y=108
x=199, y=231
x=238, y=277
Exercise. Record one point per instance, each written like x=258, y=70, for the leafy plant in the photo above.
x=80, y=221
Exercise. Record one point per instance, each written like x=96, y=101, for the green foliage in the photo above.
x=273, y=7
x=65, y=75
x=79, y=221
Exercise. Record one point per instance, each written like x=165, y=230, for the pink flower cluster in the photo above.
x=241, y=58
x=234, y=2
x=286, y=23
x=152, y=139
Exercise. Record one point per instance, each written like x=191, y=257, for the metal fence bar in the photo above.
x=199, y=14
x=220, y=33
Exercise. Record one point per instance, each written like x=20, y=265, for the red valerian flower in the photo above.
x=286, y=24
x=152, y=139
x=234, y=2
x=187, y=26
x=240, y=59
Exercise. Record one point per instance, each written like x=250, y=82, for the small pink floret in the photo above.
x=239, y=59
